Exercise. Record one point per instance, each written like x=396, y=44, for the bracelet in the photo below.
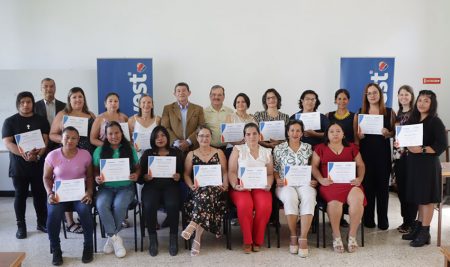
x=50, y=194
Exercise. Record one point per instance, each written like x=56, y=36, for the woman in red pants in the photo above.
x=254, y=206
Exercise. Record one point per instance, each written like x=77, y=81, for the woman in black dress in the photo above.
x=342, y=115
x=423, y=185
x=376, y=152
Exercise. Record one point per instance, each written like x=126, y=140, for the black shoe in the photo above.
x=383, y=226
x=21, y=230
x=415, y=228
x=369, y=224
x=344, y=223
x=423, y=237
x=153, y=245
x=173, y=244
x=57, y=256
x=404, y=228
x=88, y=254
x=42, y=228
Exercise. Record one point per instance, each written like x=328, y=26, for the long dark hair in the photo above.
x=69, y=108
x=309, y=92
x=112, y=94
x=326, y=140
x=365, y=103
x=408, y=89
x=125, y=150
x=155, y=132
x=415, y=116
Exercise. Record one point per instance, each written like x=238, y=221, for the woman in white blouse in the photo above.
x=297, y=200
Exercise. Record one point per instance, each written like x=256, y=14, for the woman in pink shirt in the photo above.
x=63, y=164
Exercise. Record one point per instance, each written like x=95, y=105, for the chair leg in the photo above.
x=95, y=231
x=63, y=225
x=135, y=230
x=268, y=234
x=277, y=229
x=362, y=233
x=316, y=223
x=323, y=228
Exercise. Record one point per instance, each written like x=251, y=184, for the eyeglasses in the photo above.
x=372, y=93
x=309, y=99
x=204, y=136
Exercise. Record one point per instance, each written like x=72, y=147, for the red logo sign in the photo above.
x=431, y=80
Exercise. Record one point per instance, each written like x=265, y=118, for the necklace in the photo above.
x=341, y=117
x=337, y=149
x=203, y=153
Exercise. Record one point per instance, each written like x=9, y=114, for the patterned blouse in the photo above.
x=264, y=116
x=283, y=155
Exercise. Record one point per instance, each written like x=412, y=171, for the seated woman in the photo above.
x=113, y=198
x=297, y=200
x=206, y=205
x=63, y=164
x=156, y=188
x=336, y=149
x=254, y=206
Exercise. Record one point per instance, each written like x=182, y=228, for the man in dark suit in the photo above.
x=49, y=106
x=182, y=118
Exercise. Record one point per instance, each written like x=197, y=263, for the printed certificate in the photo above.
x=297, y=175
x=370, y=124
x=29, y=140
x=141, y=141
x=253, y=177
x=272, y=130
x=232, y=132
x=208, y=175
x=115, y=169
x=311, y=120
x=409, y=135
x=342, y=172
x=162, y=167
x=125, y=129
x=81, y=124
x=69, y=190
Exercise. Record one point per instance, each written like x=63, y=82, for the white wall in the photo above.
x=246, y=46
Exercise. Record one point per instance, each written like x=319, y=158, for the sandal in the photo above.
x=187, y=233
x=293, y=249
x=125, y=224
x=337, y=245
x=74, y=228
x=195, y=250
x=352, y=244
x=303, y=252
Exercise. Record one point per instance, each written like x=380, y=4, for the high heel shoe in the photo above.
x=303, y=252
x=422, y=238
x=188, y=231
x=293, y=249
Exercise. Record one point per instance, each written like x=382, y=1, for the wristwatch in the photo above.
x=424, y=150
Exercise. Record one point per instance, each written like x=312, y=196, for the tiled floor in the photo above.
x=382, y=248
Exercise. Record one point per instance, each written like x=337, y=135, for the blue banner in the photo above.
x=129, y=78
x=356, y=73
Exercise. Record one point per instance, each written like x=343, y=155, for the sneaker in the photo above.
x=108, y=248
x=119, y=249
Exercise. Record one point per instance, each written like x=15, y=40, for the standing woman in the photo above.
x=62, y=164
x=376, y=154
x=25, y=169
x=297, y=200
x=156, y=188
x=271, y=101
x=342, y=115
x=112, y=113
x=145, y=121
x=76, y=106
x=254, y=206
x=423, y=185
x=206, y=205
x=113, y=198
x=241, y=104
x=408, y=210
x=309, y=102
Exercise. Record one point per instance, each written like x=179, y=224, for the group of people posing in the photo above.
x=192, y=135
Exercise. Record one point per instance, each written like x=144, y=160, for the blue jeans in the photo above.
x=112, y=205
x=56, y=214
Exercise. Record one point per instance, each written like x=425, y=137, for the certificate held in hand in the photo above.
x=114, y=170
x=253, y=177
x=409, y=135
x=208, y=175
x=79, y=123
x=29, y=141
x=162, y=167
x=341, y=172
x=232, y=132
x=297, y=175
x=370, y=124
x=311, y=120
x=141, y=141
x=69, y=190
x=272, y=130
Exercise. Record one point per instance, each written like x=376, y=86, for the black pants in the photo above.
x=376, y=188
x=408, y=210
x=168, y=191
x=21, y=185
